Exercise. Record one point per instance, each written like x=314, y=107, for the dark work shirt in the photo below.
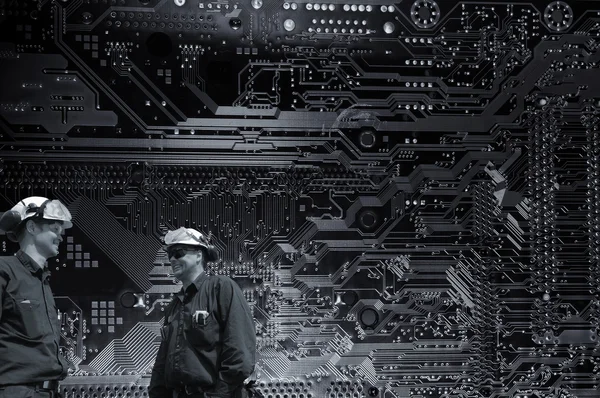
x=29, y=327
x=218, y=356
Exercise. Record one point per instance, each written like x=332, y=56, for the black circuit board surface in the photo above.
x=407, y=192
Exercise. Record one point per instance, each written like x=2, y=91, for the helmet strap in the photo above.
x=39, y=210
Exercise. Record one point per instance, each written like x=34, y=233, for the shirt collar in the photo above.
x=30, y=263
x=196, y=283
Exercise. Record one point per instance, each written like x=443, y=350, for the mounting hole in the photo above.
x=350, y=297
x=369, y=317
x=87, y=18
x=235, y=23
x=558, y=15
x=425, y=13
x=367, y=139
x=128, y=300
x=368, y=219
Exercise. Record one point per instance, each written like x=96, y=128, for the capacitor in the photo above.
x=289, y=25
x=388, y=27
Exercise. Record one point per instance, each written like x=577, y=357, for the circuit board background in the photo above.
x=408, y=193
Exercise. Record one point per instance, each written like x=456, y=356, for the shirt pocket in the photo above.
x=203, y=336
x=30, y=316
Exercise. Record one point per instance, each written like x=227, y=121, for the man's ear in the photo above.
x=200, y=254
x=30, y=226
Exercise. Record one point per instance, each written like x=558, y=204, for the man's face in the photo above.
x=47, y=236
x=184, y=260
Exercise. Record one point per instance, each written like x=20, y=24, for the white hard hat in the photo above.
x=192, y=237
x=34, y=207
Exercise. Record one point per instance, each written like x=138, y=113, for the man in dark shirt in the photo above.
x=31, y=364
x=209, y=341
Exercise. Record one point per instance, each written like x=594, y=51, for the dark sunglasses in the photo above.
x=179, y=251
x=56, y=226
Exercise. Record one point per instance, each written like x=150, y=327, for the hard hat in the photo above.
x=34, y=207
x=191, y=237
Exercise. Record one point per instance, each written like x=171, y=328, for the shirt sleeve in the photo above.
x=239, y=338
x=3, y=284
x=157, y=388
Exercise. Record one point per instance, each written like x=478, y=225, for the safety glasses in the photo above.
x=56, y=227
x=179, y=251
